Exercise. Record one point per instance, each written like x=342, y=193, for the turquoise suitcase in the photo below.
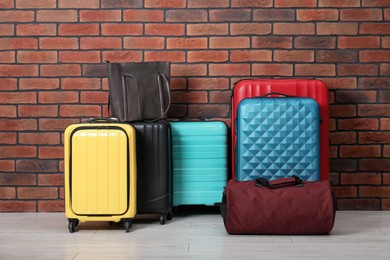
x=200, y=162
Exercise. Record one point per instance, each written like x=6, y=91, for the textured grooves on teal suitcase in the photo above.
x=278, y=137
x=199, y=162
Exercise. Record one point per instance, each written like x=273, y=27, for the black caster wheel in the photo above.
x=169, y=215
x=127, y=225
x=163, y=218
x=72, y=226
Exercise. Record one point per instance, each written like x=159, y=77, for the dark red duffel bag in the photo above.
x=285, y=206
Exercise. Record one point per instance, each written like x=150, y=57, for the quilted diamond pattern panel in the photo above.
x=277, y=138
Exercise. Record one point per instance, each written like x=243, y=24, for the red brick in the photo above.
x=78, y=4
x=79, y=84
x=50, y=179
x=38, y=83
x=7, y=4
x=144, y=43
x=340, y=83
x=6, y=166
x=295, y=3
x=250, y=55
x=51, y=206
x=373, y=3
x=387, y=14
x=177, y=111
x=165, y=3
x=294, y=55
x=18, y=70
x=337, y=3
x=121, y=3
x=18, y=151
x=337, y=28
x=122, y=56
x=143, y=15
x=38, y=111
x=386, y=153
x=79, y=56
x=37, y=57
x=361, y=15
x=385, y=204
x=333, y=152
x=94, y=97
x=229, y=69
x=308, y=42
x=360, y=42
x=358, y=204
x=8, y=111
x=357, y=69
x=101, y=43
x=51, y=152
x=13, y=179
x=374, y=83
x=37, y=193
x=374, y=28
x=80, y=111
x=315, y=70
x=358, y=124
x=385, y=69
x=355, y=96
x=374, y=137
x=186, y=16
x=55, y=124
x=262, y=15
x=18, y=124
x=16, y=16
x=222, y=97
x=337, y=111
x=317, y=15
x=345, y=191
x=18, y=43
x=343, y=138
x=39, y=138
x=361, y=178
x=343, y=165
x=229, y=15
x=283, y=42
x=178, y=84
x=251, y=3
x=187, y=43
x=207, y=3
x=375, y=56
x=374, y=110
x=372, y=191
x=336, y=56
x=7, y=138
x=58, y=43
x=164, y=29
x=56, y=16
x=250, y=28
x=36, y=29
x=17, y=206
x=189, y=97
x=206, y=111
x=229, y=42
x=207, y=29
x=360, y=151
x=294, y=28
x=30, y=4
x=18, y=97
x=121, y=29
x=207, y=56
x=100, y=15
x=7, y=193
x=7, y=57
x=385, y=123
x=384, y=96
x=6, y=29
x=76, y=29
x=95, y=70
x=172, y=56
x=60, y=70
x=272, y=69
x=62, y=193
x=188, y=70
x=208, y=83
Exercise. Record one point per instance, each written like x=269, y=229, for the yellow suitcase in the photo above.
x=100, y=172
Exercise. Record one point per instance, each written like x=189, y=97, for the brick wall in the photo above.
x=52, y=74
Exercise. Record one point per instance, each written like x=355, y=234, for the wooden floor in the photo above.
x=357, y=235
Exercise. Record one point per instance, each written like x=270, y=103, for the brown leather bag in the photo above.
x=285, y=206
x=139, y=91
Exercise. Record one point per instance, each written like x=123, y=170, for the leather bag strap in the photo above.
x=279, y=183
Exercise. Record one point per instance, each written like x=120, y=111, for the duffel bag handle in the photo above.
x=276, y=93
x=103, y=120
x=279, y=183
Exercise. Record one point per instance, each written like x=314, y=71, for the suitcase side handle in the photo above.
x=103, y=120
x=278, y=94
x=279, y=183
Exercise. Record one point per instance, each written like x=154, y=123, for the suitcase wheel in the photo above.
x=163, y=218
x=128, y=225
x=72, y=225
x=169, y=215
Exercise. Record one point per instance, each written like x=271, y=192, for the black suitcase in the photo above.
x=154, y=169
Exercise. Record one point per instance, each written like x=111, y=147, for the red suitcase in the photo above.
x=315, y=89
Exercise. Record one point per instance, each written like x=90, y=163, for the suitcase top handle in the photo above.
x=279, y=183
x=103, y=120
x=278, y=94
